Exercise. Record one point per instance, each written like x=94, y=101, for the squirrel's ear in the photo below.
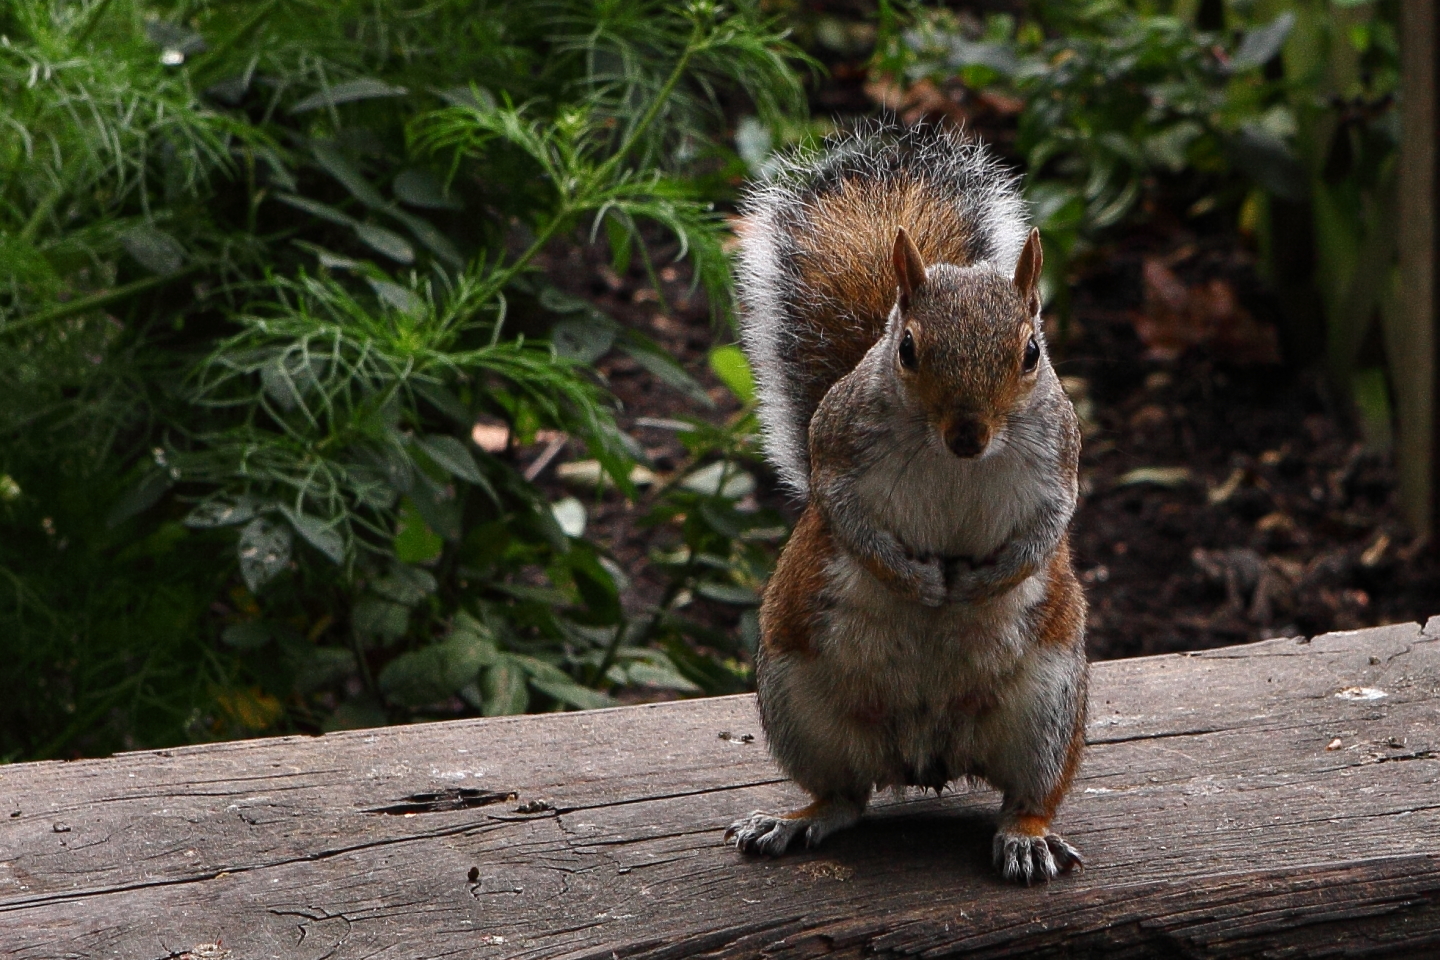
x=1027, y=272
x=909, y=266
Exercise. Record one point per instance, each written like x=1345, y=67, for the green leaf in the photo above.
x=250, y=635
x=467, y=651
x=504, y=689
x=362, y=88
x=437, y=505
x=968, y=53
x=1261, y=44
x=421, y=188
x=720, y=479
x=558, y=301
x=263, y=550
x=432, y=239
x=446, y=402
x=317, y=533
x=452, y=457
x=662, y=366
x=730, y=365
x=414, y=541
x=728, y=593
x=1268, y=160
x=139, y=498
x=335, y=163
x=582, y=340
x=322, y=666
x=317, y=209
x=657, y=671
x=386, y=242
x=415, y=679
x=399, y=297
x=154, y=249
x=375, y=619
x=405, y=584
x=621, y=239
x=220, y=513
x=356, y=714
x=570, y=693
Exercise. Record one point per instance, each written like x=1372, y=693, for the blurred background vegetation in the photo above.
x=286, y=286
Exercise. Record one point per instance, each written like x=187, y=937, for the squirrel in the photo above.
x=924, y=623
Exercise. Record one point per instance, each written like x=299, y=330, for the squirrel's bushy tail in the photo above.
x=815, y=279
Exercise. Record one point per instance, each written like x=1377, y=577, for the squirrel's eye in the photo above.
x=1032, y=355
x=907, y=351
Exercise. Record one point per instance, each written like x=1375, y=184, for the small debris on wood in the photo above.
x=827, y=870
x=474, y=875
x=1361, y=693
x=60, y=827
x=1333, y=744
x=732, y=738
x=534, y=806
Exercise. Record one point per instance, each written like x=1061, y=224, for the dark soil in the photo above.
x=1221, y=503
x=1269, y=516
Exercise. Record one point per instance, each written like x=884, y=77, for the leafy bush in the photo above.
x=265, y=265
x=1281, y=121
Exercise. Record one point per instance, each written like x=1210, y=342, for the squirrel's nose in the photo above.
x=967, y=437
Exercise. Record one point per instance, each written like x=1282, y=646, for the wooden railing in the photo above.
x=1281, y=798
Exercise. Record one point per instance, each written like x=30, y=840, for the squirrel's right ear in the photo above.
x=909, y=266
x=1027, y=272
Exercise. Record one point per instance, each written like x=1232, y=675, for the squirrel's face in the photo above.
x=966, y=347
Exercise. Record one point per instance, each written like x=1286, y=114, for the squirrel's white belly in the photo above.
x=940, y=505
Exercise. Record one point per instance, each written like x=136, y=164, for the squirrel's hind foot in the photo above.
x=1025, y=857
x=766, y=833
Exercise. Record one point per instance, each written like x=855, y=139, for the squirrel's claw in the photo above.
x=1023, y=858
x=764, y=833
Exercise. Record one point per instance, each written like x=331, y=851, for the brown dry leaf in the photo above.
x=923, y=101
x=1178, y=317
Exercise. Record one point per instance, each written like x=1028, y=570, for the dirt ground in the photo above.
x=1223, y=497
x=1221, y=502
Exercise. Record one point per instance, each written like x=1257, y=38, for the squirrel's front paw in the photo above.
x=928, y=581
x=1027, y=857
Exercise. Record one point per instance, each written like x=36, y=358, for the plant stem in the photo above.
x=91, y=21
x=94, y=301
x=658, y=104
x=216, y=53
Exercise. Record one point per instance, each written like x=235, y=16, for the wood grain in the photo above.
x=1238, y=802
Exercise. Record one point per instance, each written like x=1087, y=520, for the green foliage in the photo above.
x=1290, y=105
x=264, y=266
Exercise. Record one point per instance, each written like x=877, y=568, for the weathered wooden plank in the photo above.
x=1218, y=813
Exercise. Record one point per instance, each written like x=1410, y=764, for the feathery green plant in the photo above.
x=264, y=264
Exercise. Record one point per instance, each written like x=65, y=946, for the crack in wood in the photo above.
x=1157, y=736
x=444, y=801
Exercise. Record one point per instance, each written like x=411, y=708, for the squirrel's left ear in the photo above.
x=1027, y=272
x=909, y=266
